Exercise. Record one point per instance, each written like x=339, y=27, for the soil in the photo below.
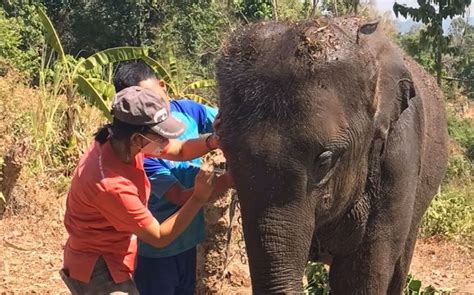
x=444, y=265
x=31, y=254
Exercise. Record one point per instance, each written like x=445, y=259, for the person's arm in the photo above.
x=178, y=195
x=177, y=150
x=161, y=235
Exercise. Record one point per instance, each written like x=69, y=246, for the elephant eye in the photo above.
x=324, y=167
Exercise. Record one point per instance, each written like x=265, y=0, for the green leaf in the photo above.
x=94, y=97
x=2, y=199
x=173, y=64
x=415, y=285
x=201, y=84
x=198, y=99
x=51, y=34
x=158, y=68
x=113, y=55
x=104, y=88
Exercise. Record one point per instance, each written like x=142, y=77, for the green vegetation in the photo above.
x=59, y=54
x=432, y=14
x=450, y=215
x=317, y=278
x=462, y=131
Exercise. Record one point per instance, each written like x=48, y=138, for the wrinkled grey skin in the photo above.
x=337, y=143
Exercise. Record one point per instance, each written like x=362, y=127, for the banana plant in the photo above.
x=81, y=76
x=174, y=87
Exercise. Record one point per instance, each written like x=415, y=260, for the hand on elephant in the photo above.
x=204, y=184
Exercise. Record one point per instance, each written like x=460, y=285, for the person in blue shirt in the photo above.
x=172, y=269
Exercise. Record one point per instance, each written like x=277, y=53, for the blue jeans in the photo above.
x=167, y=275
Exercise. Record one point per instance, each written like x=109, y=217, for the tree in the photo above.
x=410, y=42
x=462, y=63
x=432, y=13
x=255, y=10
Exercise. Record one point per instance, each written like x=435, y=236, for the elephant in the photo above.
x=337, y=143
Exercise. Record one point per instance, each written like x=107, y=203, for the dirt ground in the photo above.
x=31, y=249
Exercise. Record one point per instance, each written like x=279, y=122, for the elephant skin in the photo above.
x=337, y=142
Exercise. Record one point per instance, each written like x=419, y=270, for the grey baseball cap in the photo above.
x=140, y=106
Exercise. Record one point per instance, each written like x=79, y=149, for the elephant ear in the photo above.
x=394, y=86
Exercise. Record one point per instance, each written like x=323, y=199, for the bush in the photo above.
x=318, y=282
x=462, y=130
x=459, y=169
x=318, y=279
x=21, y=38
x=450, y=214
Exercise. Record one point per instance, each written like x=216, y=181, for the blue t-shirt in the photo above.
x=163, y=174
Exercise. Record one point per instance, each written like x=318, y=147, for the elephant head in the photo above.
x=306, y=111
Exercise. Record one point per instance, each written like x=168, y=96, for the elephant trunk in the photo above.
x=278, y=238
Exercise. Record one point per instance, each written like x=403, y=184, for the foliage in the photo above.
x=410, y=42
x=318, y=279
x=459, y=168
x=194, y=31
x=82, y=73
x=432, y=13
x=318, y=282
x=176, y=87
x=414, y=287
x=293, y=10
x=124, y=21
x=255, y=10
x=341, y=7
x=458, y=64
x=21, y=39
x=462, y=130
x=450, y=214
x=461, y=66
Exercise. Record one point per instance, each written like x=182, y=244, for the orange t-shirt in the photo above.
x=106, y=204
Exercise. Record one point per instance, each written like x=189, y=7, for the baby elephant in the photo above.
x=337, y=142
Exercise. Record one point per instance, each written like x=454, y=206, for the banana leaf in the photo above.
x=94, y=97
x=114, y=55
x=199, y=99
x=51, y=34
x=105, y=89
x=201, y=84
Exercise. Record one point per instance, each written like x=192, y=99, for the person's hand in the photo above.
x=213, y=141
x=204, y=184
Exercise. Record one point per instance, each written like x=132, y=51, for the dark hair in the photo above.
x=120, y=131
x=130, y=73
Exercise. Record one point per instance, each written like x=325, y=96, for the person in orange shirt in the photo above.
x=106, y=207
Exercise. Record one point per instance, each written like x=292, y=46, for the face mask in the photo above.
x=153, y=148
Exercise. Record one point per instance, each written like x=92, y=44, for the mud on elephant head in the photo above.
x=331, y=135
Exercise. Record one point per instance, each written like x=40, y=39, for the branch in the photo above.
x=457, y=79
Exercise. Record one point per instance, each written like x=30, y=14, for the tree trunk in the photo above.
x=439, y=46
x=313, y=10
x=10, y=170
x=222, y=266
x=275, y=10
